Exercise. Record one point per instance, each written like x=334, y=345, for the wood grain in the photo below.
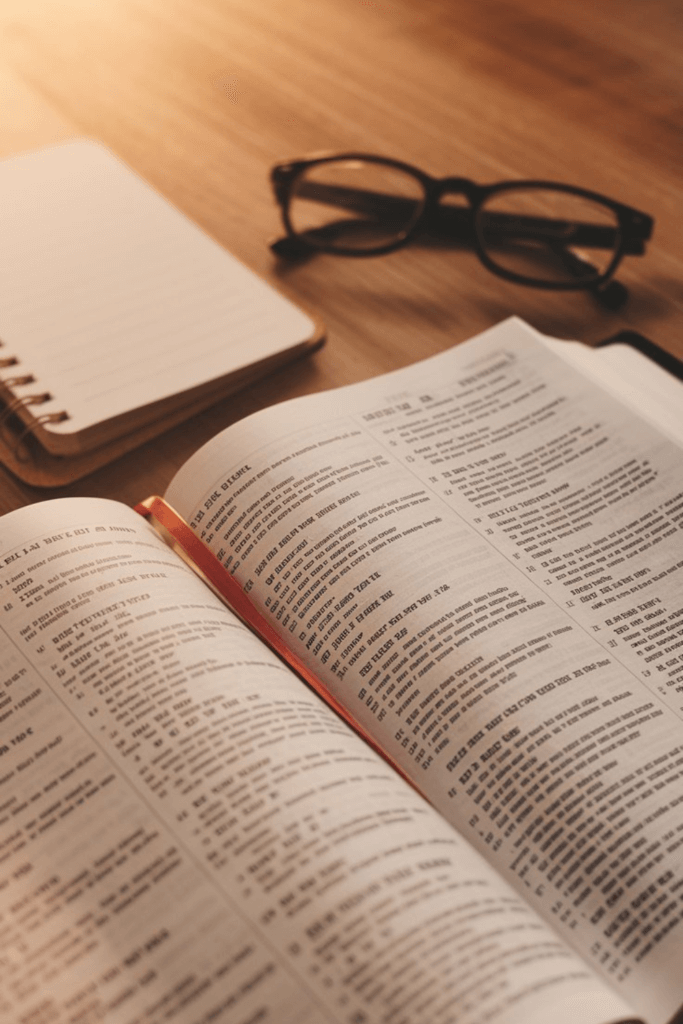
x=201, y=97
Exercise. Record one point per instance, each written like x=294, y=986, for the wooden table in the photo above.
x=201, y=97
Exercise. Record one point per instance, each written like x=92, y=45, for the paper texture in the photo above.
x=188, y=834
x=481, y=557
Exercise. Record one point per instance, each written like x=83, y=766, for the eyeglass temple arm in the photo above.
x=457, y=221
x=611, y=294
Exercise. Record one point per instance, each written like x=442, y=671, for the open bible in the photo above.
x=477, y=561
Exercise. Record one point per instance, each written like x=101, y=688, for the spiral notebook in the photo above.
x=118, y=316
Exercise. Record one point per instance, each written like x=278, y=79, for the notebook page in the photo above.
x=112, y=298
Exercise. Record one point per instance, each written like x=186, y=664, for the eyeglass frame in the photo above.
x=634, y=227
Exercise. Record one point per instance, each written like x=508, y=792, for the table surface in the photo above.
x=202, y=97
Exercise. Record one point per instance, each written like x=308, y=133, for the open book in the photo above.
x=478, y=561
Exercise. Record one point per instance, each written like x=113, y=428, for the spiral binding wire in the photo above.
x=48, y=417
x=15, y=404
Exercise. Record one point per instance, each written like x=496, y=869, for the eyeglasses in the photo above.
x=537, y=233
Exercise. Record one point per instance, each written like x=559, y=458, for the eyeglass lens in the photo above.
x=354, y=205
x=548, y=235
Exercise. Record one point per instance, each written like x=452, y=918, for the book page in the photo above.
x=188, y=834
x=650, y=390
x=481, y=555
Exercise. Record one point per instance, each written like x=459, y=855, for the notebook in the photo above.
x=118, y=315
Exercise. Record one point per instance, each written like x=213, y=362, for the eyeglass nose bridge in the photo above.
x=454, y=221
x=460, y=187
